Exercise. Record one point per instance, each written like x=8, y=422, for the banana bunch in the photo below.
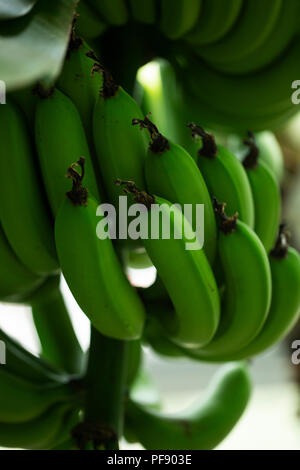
x=86, y=141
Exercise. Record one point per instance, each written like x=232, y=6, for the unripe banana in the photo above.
x=16, y=281
x=216, y=19
x=25, y=217
x=114, y=12
x=88, y=24
x=201, y=427
x=21, y=401
x=59, y=344
x=173, y=174
x=285, y=306
x=143, y=12
x=121, y=148
x=225, y=177
x=57, y=116
x=254, y=25
x=178, y=16
x=21, y=363
x=270, y=151
x=79, y=83
x=248, y=288
x=36, y=434
x=196, y=320
x=266, y=195
x=91, y=267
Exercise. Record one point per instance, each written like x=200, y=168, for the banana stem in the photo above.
x=106, y=382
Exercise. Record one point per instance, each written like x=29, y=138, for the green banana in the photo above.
x=277, y=40
x=143, y=12
x=201, y=427
x=91, y=267
x=23, y=364
x=60, y=346
x=26, y=100
x=21, y=401
x=248, y=98
x=79, y=83
x=266, y=195
x=121, y=148
x=270, y=151
x=113, y=12
x=173, y=174
x=254, y=25
x=177, y=17
x=216, y=19
x=35, y=434
x=248, y=288
x=285, y=306
x=158, y=93
x=24, y=213
x=88, y=24
x=225, y=177
x=195, y=321
x=16, y=281
x=57, y=116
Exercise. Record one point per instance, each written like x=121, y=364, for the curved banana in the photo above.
x=91, y=267
x=35, y=434
x=59, y=344
x=196, y=320
x=143, y=12
x=173, y=174
x=255, y=23
x=262, y=100
x=177, y=17
x=270, y=153
x=78, y=81
x=215, y=21
x=88, y=24
x=201, y=427
x=266, y=195
x=225, y=177
x=21, y=363
x=121, y=148
x=26, y=100
x=113, y=12
x=285, y=306
x=25, y=217
x=16, y=281
x=279, y=37
x=57, y=116
x=21, y=401
x=248, y=288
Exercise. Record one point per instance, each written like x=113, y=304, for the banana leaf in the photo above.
x=33, y=47
x=10, y=9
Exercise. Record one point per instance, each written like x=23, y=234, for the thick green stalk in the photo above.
x=106, y=383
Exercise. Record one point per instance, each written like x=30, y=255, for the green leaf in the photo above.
x=33, y=47
x=15, y=8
